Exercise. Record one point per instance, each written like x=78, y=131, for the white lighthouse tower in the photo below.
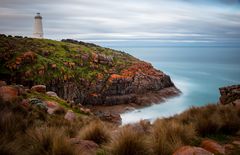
x=38, y=29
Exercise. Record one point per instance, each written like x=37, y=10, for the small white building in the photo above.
x=38, y=29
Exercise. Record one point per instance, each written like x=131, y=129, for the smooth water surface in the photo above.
x=197, y=71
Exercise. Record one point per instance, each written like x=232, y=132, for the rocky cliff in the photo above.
x=230, y=95
x=80, y=72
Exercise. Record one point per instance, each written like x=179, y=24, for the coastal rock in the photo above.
x=8, y=93
x=39, y=88
x=189, y=150
x=229, y=94
x=213, y=147
x=129, y=109
x=70, y=115
x=130, y=86
x=114, y=118
x=51, y=93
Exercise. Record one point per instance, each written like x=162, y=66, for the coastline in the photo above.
x=144, y=100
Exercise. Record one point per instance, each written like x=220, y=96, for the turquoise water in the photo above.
x=197, y=71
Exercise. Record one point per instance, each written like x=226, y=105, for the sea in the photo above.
x=198, y=72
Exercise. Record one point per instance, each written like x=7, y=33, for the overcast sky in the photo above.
x=138, y=21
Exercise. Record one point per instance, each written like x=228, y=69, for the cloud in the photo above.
x=133, y=20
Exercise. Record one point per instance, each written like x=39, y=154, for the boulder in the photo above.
x=85, y=110
x=52, y=93
x=54, y=108
x=2, y=83
x=21, y=89
x=70, y=115
x=190, y=150
x=8, y=93
x=236, y=142
x=110, y=117
x=128, y=109
x=86, y=147
x=51, y=104
x=39, y=103
x=39, y=88
x=213, y=146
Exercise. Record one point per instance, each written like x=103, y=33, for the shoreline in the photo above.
x=144, y=100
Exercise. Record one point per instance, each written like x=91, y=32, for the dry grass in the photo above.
x=168, y=135
x=48, y=141
x=212, y=119
x=128, y=142
x=35, y=132
x=95, y=131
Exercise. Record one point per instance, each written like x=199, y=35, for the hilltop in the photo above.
x=82, y=73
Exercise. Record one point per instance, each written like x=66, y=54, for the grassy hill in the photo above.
x=80, y=72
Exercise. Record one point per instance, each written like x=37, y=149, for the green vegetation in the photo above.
x=56, y=60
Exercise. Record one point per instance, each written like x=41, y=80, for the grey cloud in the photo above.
x=158, y=20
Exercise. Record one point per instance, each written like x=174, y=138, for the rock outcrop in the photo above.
x=230, y=95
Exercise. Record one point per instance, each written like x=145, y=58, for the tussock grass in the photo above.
x=70, y=129
x=128, y=142
x=95, y=131
x=212, y=119
x=168, y=135
x=33, y=131
x=49, y=141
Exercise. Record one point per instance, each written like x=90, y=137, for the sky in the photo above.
x=127, y=22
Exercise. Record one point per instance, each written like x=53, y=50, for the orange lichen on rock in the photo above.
x=95, y=57
x=116, y=76
x=141, y=67
x=94, y=94
x=27, y=57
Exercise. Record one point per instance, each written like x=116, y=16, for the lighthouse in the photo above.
x=38, y=29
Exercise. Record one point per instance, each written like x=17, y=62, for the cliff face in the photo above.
x=82, y=72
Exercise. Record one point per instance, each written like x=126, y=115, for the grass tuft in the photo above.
x=95, y=131
x=128, y=141
x=168, y=135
